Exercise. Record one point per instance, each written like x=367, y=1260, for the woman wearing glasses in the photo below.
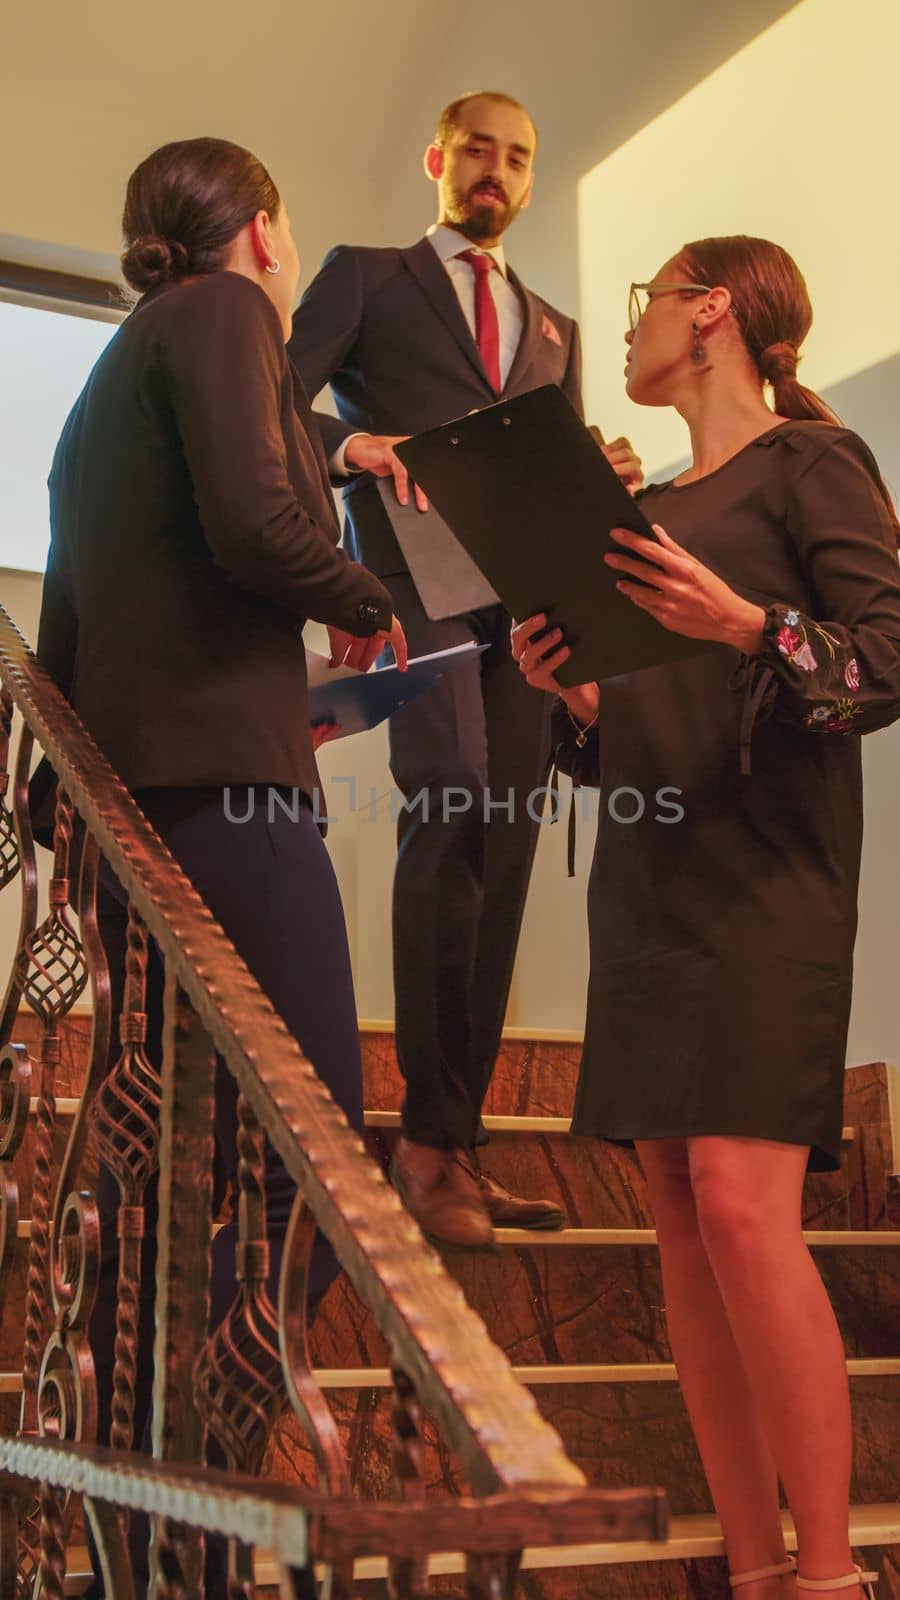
x=721, y=946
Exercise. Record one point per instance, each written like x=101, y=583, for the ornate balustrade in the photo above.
x=230, y=1384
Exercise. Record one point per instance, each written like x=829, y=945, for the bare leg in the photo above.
x=748, y=1200
x=737, y=1460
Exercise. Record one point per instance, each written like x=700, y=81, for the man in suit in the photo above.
x=408, y=339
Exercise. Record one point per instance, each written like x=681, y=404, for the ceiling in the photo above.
x=338, y=100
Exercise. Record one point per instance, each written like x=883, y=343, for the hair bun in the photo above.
x=779, y=360
x=151, y=260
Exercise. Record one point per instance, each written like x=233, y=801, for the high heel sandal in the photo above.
x=789, y=1565
x=866, y=1581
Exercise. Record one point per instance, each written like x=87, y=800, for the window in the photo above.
x=45, y=357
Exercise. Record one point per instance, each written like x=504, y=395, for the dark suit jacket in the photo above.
x=385, y=328
x=193, y=533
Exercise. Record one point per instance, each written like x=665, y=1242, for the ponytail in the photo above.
x=777, y=364
x=772, y=308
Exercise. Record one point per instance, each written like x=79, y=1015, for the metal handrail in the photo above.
x=441, y=1352
x=296, y=1526
x=465, y=1381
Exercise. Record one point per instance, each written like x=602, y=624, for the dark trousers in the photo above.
x=271, y=885
x=461, y=880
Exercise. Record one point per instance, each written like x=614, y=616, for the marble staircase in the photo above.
x=580, y=1315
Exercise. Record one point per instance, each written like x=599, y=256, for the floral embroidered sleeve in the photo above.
x=837, y=672
x=827, y=699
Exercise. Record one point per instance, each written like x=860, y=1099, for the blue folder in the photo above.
x=357, y=701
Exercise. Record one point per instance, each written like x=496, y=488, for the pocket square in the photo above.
x=550, y=331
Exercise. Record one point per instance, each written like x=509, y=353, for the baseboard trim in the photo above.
x=513, y=1034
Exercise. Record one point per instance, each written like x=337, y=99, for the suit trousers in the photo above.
x=270, y=884
x=476, y=747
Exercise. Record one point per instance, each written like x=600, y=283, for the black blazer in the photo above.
x=193, y=533
x=385, y=328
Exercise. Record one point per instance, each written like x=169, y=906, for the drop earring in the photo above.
x=698, y=353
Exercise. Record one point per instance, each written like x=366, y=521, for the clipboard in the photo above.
x=525, y=489
x=449, y=583
x=358, y=701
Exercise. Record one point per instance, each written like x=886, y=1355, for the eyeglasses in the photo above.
x=637, y=306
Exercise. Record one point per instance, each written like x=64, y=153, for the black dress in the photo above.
x=722, y=899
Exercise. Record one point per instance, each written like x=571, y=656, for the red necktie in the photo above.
x=487, y=327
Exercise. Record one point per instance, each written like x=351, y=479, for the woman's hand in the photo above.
x=348, y=651
x=539, y=659
x=625, y=462
x=686, y=597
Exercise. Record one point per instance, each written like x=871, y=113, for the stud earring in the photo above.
x=698, y=353
x=276, y=267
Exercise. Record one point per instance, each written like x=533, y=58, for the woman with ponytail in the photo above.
x=722, y=945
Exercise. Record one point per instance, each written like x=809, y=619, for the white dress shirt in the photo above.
x=447, y=244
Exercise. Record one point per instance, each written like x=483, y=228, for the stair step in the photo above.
x=601, y=1372
x=815, y=1237
x=690, y=1538
x=566, y=1303
x=537, y=1239
x=67, y=1106
x=519, y=1124
x=596, y=1184
x=535, y=1377
x=536, y=1070
x=581, y=1295
x=613, y=1431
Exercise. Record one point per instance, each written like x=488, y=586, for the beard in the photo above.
x=476, y=218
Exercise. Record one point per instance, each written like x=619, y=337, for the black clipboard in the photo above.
x=525, y=489
x=448, y=582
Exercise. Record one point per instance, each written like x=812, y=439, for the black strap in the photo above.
x=553, y=787
x=759, y=678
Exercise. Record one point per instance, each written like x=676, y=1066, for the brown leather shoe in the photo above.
x=514, y=1211
x=442, y=1191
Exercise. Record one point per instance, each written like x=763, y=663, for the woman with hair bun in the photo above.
x=722, y=937
x=193, y=534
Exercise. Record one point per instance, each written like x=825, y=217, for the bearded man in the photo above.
x=409, y=339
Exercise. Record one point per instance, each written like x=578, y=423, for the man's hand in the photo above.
x=684, y=595
x=625, y=462
x=348, y=651
x=374, y=452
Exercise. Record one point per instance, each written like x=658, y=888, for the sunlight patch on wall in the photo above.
x=795, y=139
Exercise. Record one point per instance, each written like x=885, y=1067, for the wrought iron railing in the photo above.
x=525, y=1489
